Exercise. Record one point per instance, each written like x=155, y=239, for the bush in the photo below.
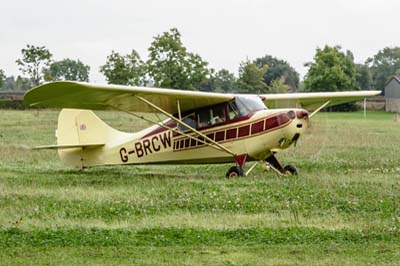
x=345, y=107
x=13, y=104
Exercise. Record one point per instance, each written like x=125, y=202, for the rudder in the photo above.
x=84, y=129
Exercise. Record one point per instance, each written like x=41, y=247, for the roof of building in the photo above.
x=396, y=78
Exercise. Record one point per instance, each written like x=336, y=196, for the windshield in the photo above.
x=249, y=103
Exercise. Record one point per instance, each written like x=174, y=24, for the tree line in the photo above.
x=171, y=65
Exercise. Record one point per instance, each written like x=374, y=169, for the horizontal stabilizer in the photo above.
x=69, y=146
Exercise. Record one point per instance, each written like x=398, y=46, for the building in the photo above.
x=392, y=95
x=12, y=95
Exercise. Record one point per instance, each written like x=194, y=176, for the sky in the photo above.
x=222, y=32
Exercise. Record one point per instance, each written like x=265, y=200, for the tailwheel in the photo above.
x=234, y=171
x=291, y=169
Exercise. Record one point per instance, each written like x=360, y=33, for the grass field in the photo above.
x=343, y=209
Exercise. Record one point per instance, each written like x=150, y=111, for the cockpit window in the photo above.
x=246, y=104
x=190, y=120
x=233, y=110
x=211, y=116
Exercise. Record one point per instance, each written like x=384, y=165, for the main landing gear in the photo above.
x=234, y=171
x=276, y=166
x=272, y=163
x=237, y=170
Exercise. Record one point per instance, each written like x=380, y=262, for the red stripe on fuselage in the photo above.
x=272, y=123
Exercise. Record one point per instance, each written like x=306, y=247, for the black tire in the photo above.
x=234, y=171
x=291, y=169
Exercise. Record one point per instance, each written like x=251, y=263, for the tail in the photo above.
x=82, y=138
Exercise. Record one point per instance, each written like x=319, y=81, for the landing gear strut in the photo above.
x=272, y=162
x=237, y=170
x=286, y=170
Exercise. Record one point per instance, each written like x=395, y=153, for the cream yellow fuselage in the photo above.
x=257, y=136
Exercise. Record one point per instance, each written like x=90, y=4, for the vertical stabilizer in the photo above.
x=87, y=135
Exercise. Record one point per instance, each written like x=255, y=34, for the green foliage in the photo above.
x=278, y=69
x=2, y=78
x=68, y=69
x=22, y=83
x=170, y=65
x=331, y=70
x=124, y=69
x=34, y=62
x=278, y=86
x=251, y=77
x=10, y=84
x=13, y=104
x=19, y=84
x=225, y=81
x=222, y=81
x=364, y=77
x=384, y=65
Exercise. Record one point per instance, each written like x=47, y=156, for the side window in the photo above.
x=203, y=118
x=218, y=115
x=190, y=119
x=233, y=110
x=211, y=116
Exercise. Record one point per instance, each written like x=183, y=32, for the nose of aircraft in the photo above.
x=299, y=123
x=300, y=118
x=303, y=118
x=302, y=114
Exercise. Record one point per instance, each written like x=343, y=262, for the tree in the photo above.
x=364, y=77
x=124, y=69
x=209, y=83
x=221, y=81
x=278, y=69
x=23, y=84
x=384, y=65
x=35, y=61
x=2, y=78
x=251, y=77
x=19, y=84
x=332, y=70
x=225, y=81
x=9, y=84
x=68, y=69
x=278, y=86
x=171, y=66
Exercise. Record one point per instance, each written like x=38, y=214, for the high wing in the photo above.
x=314, y=100
x=78, y=95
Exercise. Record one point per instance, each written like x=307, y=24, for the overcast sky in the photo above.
x=223, y=32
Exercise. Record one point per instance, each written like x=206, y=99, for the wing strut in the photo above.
x=172, y=129
x=187, y=126
x=179, y=109
x=319, y=109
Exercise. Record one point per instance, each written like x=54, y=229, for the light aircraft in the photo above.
x=201, y=127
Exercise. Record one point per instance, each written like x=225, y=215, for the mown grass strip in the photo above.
x=189, y=236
